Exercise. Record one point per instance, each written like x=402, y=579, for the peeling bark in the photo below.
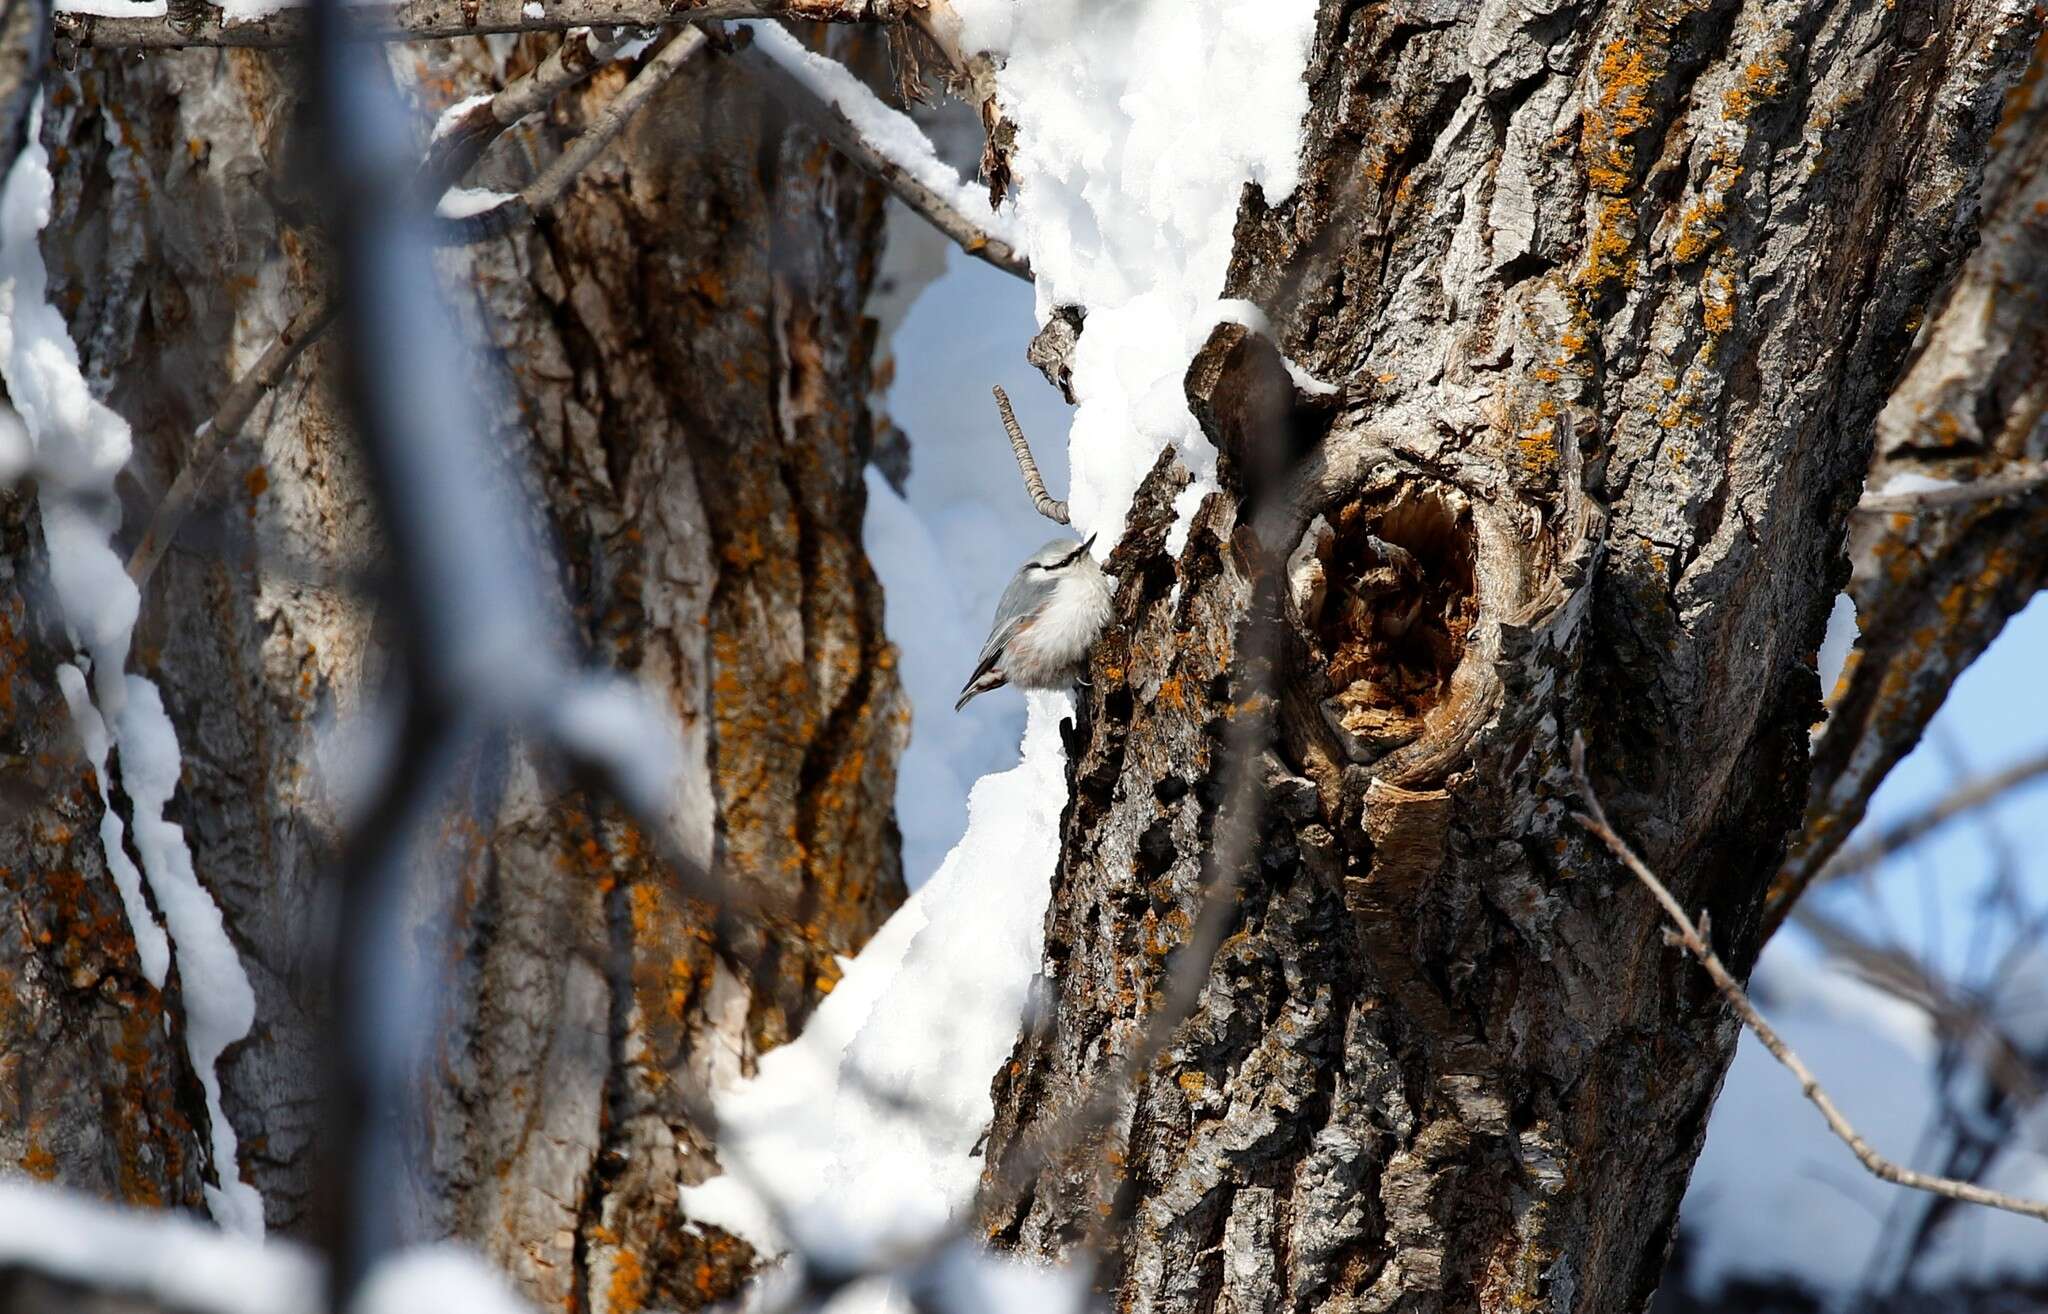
x=689, y=371
x=1616, y=294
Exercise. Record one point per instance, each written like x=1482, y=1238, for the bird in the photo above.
x=1047, y=620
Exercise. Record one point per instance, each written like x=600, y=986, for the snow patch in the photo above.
x=1836, y=645
x=114, y=8
x=463, y=202
x=455, y=113
x=894, y=135
x=437, y=1279
x=76, y=446
x=151, y=945
x=172, y=1260
x=220, y=1006
x=166, y=1256
x=1138, y=124
x=1908, y=481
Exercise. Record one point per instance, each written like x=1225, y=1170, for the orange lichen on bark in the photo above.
x=627, y=1290
x=1619, y=110
x=1759, y=83
x=1717, y=302
x=1607, y=248
x=1537, y=446
x=1698, y=229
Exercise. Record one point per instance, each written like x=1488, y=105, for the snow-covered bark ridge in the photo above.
x=1138, y=125
x=75, y=446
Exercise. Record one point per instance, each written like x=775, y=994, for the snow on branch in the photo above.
x=466, y=130
x=171, y=1261
x=1934, y=497
x=1692, y=937
x=162, y=1256
x=499, y=213
x=885, y=143
x=109, y=24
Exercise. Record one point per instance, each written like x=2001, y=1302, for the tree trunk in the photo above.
x=1615, y=294
x=688, y=372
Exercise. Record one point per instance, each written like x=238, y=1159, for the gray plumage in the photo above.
x=1045, y=622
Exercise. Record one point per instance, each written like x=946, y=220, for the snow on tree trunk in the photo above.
x=95, y=1091
x=1615, y=294
x=688, y=376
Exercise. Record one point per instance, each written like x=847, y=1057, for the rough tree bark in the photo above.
x=1933, y=588
x=1615, y=293
x=689, y=367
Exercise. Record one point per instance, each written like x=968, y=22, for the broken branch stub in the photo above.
x=1034, y=483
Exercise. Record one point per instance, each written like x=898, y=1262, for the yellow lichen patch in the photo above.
x=628, y=1288
x=1699, y=227
x=1537, y=446
x=1717, y=302
x=1607, y=248
x=1620, y=108
x=1191, y=1082
x=1760, y=82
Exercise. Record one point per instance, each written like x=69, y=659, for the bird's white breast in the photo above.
x=1055, y=645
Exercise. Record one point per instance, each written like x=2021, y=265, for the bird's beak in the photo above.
x=1090, y=543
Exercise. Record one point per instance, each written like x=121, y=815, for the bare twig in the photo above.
x=829, y=122
x=1908, y=979
x=479, y=637
x=2019, y=482
x=454, y=150
x=460, y=139
x=422, y=20
x=1034, y=482
x=1689, y=935
x=1969, y=797
x=554, y=180
x=221, y=429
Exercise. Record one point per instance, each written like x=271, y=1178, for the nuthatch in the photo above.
x=1046, y=622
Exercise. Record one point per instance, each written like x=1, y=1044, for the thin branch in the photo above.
x=545, y=190
x=457, y=145
x=465, y=133
x=1689, y=935
x=213, y=437
x=2016, y=484
x=477, y=636
x=1967, y=798
x=426, y=20
x=1034, y=482
x=804, y=98
x=1907, y=979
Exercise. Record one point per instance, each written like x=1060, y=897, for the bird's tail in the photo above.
x=980, y=684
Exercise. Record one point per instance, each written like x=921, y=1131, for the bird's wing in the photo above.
x=998, y=639
x=1015, y=611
